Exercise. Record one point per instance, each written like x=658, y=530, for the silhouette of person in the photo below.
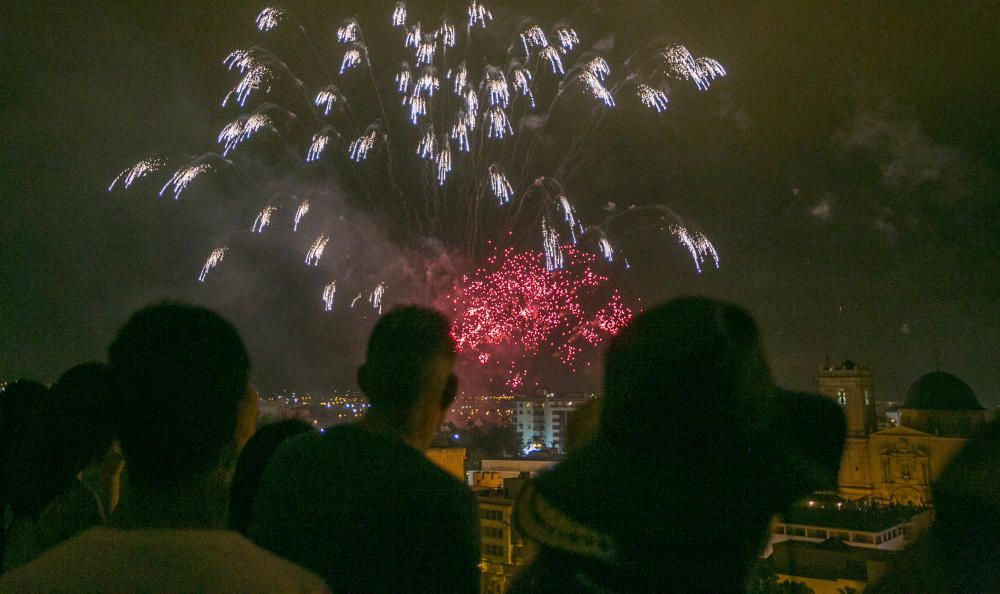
x=694, y=452
x=181, y=408
x=361, y=505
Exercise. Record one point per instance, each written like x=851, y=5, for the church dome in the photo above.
x=941, y=391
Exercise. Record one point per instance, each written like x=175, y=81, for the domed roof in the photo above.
x=941, y=391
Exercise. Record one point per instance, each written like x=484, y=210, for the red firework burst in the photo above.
x=514, y=308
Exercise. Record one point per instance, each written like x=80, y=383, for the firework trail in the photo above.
x=329, y=292
x=183, y=177
x=697, y=245
x=317, y=249
x=137, y=172
x=213, y=260
x=376, y=297
x=263, y=219
x=299, y=213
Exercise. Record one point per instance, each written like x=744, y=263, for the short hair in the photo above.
x=177, y=376
x=402, y=345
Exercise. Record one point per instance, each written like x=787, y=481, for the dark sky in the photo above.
x=846, y=170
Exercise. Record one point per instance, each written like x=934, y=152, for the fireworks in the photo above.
x=256, y=77
x=445, y=181
x=269, y=18
x=299, y=213
x=316, y=251
x=136, y=172
x=568, y=39
x=498, y=123
x=329, y=292
x=183, y=177
x=515, y=303
x=213, y=260
x=442, y=164
x=478, y=14
x=697, y=245
x=399, y=15
x=499, y=184
x=327, y=98
x=317, y=146
x=362, y=145
x=375, y=299
x=652, y=98
x=263, y=219
x=351, y=60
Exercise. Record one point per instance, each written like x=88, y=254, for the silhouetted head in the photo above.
x=179, y=391
x=71, y=429
x=409, y=364
x=251, y=464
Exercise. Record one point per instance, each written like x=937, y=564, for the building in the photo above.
x=493, y=473
x=541, y=420
x=898, y=464
x=502, y=548
x=830, y=566
x=451, y=460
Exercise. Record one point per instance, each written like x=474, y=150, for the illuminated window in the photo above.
x=842, y=397
x=868, y=397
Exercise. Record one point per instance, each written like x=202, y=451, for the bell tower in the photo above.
x=850, y=385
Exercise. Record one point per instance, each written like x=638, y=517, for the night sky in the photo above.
x=846, y=170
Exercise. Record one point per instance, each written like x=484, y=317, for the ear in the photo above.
x=450, y=391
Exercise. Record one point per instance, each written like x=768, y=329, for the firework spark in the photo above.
x=269, y=18
x=213, y=260
x=596, y=88
x=183, y=177
x=442, y=163
x=403, y=78
x=399, y=15
x=361, y=145
x=568, y=39
x=551, y=55
x=708, y=70
x=316, y=251
x=137, y=172
x=478, y=14
x=550, y=243
x=499, y=184
x=348, y=32
x=327, y=98
x=299, y=213
x=428, y=81
x=522, y=84
x=460, y=132
x=263, y=219
x=697, y=245
x=255, y=78
x=447, y=33
x=516, y=303
x=654, y=99
x=355, y=300
x=329, y=292
x=318, y=145
x=375, y=299
x=427, y=146
x=498, y=124
x=352, y=59
x=240, y=60
x=533, y=37
x=607, y=251
x=459, y=77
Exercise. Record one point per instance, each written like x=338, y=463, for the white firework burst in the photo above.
x=697, y=245
x=362, y=145
x=654, y=99
x=596, y=88
x=418, y=107
x=183, y=177
x=447, y=33
x=495, y=84
x=137, y=171
x=522, y=84
x=320, y=140
x=551, y=55
x=351, y=60
x=299, y=213
x=607, y=252
x=460, y=132
x=708, y=70
x=263, y=219
x=399, y=15
x=533, y=36
x=269, y=18
x=554, y=257
x=569, y=214
x=425, y=50
x=327, y=98
x=255, y=78
x=478, y=14
x=240, y=60
x=375, y=299
x=459, y=76
x=348, y=31
x=213, y=260
x=428, y=81
x=568, y=39
x=329, y=292
x=499, y=184
x=471, y=107
x=316, y=251
x=498, y=125
x=427, y=146
x=442, y=163
x=403, y=78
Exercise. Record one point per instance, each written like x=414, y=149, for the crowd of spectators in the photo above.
x=145, y=474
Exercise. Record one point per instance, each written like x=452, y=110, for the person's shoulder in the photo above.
x=261, y=566
x=53, y=565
